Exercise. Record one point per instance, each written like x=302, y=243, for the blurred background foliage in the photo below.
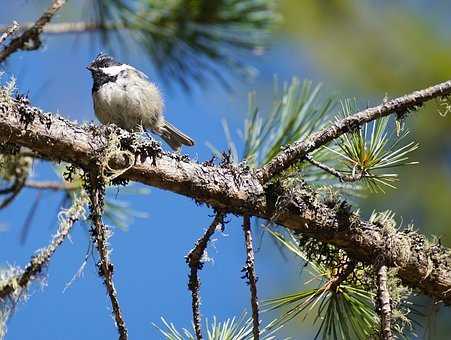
x=372, y=49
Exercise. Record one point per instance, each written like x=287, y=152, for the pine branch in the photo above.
x=39, y=261
x=235, y=189
x=249, y=270
x=341, y=176
x=384, y=306
x=400, y=106
x=194, y=260
x=30, y=38
x=100, y=235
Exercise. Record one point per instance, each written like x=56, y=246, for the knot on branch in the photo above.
x=437, y=257
x=33, y=42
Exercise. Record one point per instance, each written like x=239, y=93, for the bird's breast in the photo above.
x=130, y=103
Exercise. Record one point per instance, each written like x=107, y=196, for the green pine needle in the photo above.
x=372, y=150
x=231, y=329
x=344, y=313
x=187, y=39
x=295, y=113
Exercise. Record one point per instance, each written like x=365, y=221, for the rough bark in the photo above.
x=195, y=262
x=384, y=303
x=250, y=275
x=100, y=234
x=237, y=190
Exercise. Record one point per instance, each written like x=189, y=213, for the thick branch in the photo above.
x=249, y=270
x=194, y=260
x=296, y=151
x=31, y=35
x=238, y=190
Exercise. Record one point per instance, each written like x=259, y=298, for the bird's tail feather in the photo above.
x=174, y=137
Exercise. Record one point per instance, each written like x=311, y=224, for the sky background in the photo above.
x=150, y=270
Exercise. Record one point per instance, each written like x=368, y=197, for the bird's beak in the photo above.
x=90, y=68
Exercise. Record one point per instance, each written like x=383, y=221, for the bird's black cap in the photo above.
x=101, y=61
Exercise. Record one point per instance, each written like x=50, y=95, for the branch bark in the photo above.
x=400, y=106
x=249, y=270
x=51, y=185
x=194, y=260
x=238, y=190
x=100, y=235
x=341, y=176
x=384, y=303
x=32, y=34
x=70, y=27
x=8, y=31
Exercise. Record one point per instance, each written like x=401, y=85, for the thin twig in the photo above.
x=37, y=263
x=14, y=191
x=8, y=31
x=341, y=176
x=71, y=27
x=341, y=276
x=80, y=270
x=249, y=270
x=194, y=260
x=384, y=306
x=51, y=185
x=29, y=39
x=100, y=235
x=399, y=106
x=29, y=219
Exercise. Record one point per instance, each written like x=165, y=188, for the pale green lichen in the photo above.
x=114, y=152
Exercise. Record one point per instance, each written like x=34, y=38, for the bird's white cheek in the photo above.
x=115, y=70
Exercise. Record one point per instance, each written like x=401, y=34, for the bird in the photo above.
x=124, y=96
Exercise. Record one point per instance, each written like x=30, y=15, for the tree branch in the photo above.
x=70, y=27
x=400, y=106
x=249, y=270
x=384, y=306
x=29, y=39
x=100, y=235
x=342, y=274
x=194, y=260
x=40, y=260
x=8, y=31
x=236, y=189
x=51, y=185
x=341, y=176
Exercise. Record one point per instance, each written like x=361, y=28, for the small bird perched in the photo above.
x=126, y=97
